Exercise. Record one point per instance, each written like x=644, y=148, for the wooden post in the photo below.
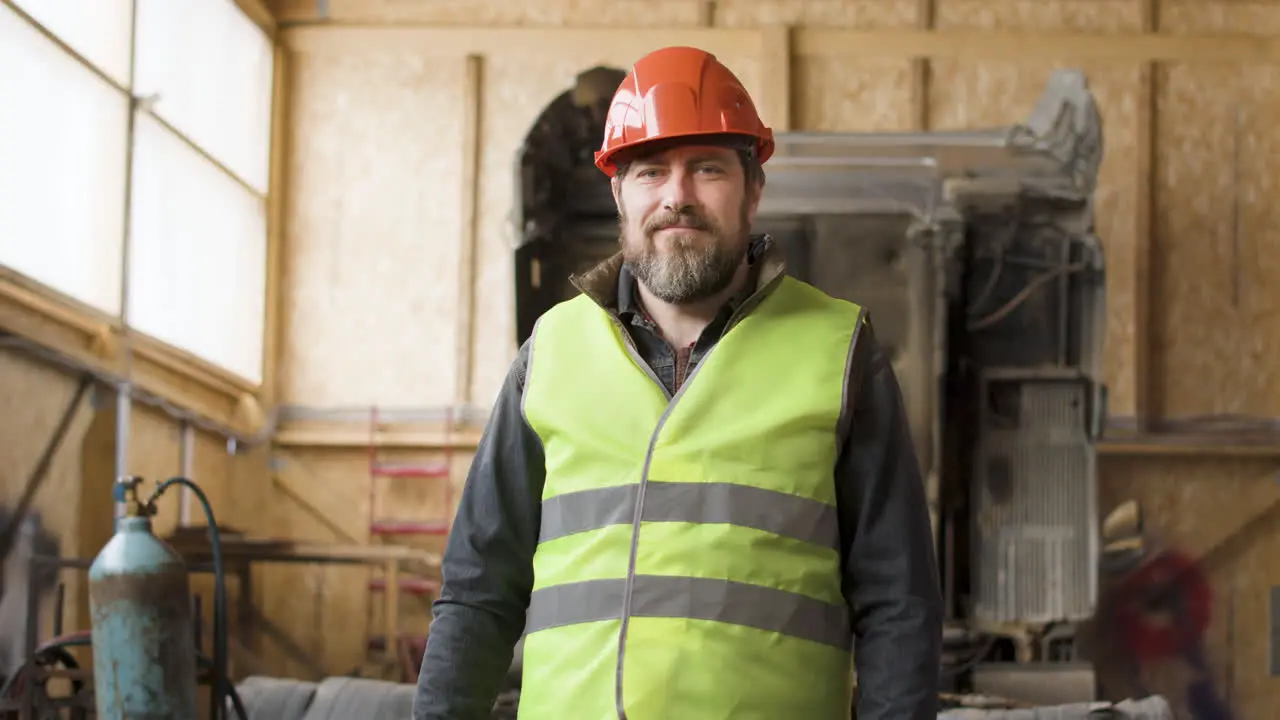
x=471, y=147
x=277, y=181
x=1146, y=376
x=775, y=77
x=921, y=69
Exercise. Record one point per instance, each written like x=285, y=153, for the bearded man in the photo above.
x=696, y=497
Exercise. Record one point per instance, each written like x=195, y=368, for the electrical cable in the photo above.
x=1024, y=294
x=972, y=662
x=219, y=672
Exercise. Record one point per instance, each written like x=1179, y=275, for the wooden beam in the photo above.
x=257, y=11
x=299, y=493
x=472, y=134
x=1145, y=374
x=349, y=435
x=1021, y=45
x=332, y=38
x=775, y=78
x=921, y=67
x=1170, y=445
x=706, y=13
x=277, y=187
x=1007, y=45
x=88, y=340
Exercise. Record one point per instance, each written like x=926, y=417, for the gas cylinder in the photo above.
x=144, y=654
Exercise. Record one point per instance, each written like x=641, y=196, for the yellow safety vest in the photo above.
x=688, y=564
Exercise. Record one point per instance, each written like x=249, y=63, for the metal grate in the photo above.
x=1035, y=499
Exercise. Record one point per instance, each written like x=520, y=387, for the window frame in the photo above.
x=85, y=338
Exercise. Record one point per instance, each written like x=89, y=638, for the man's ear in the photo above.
x=615, y=186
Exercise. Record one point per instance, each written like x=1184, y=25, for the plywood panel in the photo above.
x=1093, y=16
x=834, y=95
x=1259, y=17
x=373, y=230
x=1216, y=295
x=1234, y=531
x=866, y=14
x=581, y=13
x=309, y=601
x=595, y=13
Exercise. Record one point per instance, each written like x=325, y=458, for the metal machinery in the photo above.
x=977, y=256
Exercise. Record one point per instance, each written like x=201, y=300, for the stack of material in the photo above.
x=1154, y=707
x=334, y=698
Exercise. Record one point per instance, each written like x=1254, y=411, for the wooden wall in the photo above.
x=398, y=136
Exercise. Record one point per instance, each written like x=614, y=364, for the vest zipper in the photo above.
x=639, y=509
x=634, y=352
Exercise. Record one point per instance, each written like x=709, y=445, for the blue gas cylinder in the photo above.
x=144, y=654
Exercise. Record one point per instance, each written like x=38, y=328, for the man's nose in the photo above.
x=677, y=191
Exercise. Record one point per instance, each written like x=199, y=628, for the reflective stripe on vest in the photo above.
x=688, y=561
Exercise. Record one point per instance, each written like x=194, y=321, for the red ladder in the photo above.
x=385, y=526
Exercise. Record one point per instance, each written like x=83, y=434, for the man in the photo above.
x=697, y=490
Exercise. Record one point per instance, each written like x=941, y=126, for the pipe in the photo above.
x=124, y=391
x=124, y=413
x=186, y=462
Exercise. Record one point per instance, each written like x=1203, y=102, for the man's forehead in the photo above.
x=686, y=152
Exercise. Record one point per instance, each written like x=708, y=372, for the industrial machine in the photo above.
x=976, y=253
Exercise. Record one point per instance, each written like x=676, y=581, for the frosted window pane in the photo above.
x=62, y=166
x=209, y=67
x=198, y=259
x=96, y=29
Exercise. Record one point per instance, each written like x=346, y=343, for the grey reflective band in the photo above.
x=658, y=596
x=782, y=514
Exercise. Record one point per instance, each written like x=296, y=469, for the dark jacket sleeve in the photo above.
x=487, y=567
x=891, y=577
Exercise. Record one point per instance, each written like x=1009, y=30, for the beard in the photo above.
x=700, y=262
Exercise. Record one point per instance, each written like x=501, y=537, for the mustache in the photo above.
x=684, y=218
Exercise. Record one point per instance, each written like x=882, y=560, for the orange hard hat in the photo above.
x=679, y=92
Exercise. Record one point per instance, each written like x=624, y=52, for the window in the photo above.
x=197, y=254
x=63, y=144
x=198, y=75
x=208, y=69
x=197, y=243
x=97, y=30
